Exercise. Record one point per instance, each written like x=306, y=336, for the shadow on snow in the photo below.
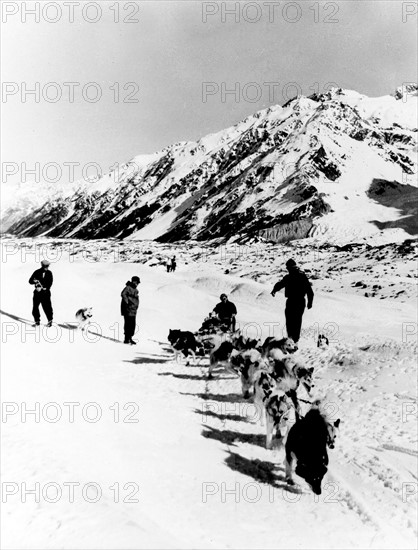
x=261, y=471
x=230, y=437
x=222, y=417
x=221, y=397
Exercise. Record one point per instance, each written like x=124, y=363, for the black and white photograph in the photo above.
x=209, y=264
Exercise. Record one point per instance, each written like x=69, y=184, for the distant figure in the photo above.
x=226, y=311
x=129, y=307
x=42, y=279
x=173, y=263
x=296, y=285
x=168, y=265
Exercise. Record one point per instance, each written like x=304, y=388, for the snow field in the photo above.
x=196, y=441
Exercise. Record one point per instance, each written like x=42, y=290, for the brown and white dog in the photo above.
x=213, y=341
x=273, y=405
x=283, y=346
x=225, y=346
x=220, y=357
x=323, y=341
x=278, y=408
x=264, y=386
x=289, y=374
x=247, y=363
x=83, y=317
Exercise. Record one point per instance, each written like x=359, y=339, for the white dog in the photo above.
x=83, y=317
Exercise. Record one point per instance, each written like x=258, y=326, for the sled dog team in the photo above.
x=269, y=373
x=270, y=376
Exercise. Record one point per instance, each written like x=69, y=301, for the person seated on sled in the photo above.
x=226, y=312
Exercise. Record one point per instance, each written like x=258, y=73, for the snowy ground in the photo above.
x=176, y=445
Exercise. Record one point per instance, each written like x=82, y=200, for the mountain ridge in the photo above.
x=310, y=163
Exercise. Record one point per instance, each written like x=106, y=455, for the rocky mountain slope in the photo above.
x=339, y=167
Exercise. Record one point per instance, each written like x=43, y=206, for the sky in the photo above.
x=116, y=79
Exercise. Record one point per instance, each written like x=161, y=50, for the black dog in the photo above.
x=307, y=442
x=241, y=343
x=183, y=342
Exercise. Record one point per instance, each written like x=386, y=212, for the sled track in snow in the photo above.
x=342, y=485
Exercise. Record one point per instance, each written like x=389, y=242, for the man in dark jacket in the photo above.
x=129, y=307
x=226, y=311
x=296, y=285
x=42, y=279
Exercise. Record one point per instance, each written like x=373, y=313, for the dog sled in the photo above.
x=213, y=325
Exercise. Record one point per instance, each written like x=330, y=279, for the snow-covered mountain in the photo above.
x=337, y=166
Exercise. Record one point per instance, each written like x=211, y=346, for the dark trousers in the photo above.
x=129, y=326
x=294, y=312
x=42, y=298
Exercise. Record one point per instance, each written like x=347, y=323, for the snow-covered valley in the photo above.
x=179, y=461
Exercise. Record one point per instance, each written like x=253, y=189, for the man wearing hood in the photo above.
x=296, y=285
x=42, y=279
x=129, y=307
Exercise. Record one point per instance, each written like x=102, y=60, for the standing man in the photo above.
x=296, y=285
x=42, y=279
x=226, y=311
x=173, y=264
x=129, y=307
